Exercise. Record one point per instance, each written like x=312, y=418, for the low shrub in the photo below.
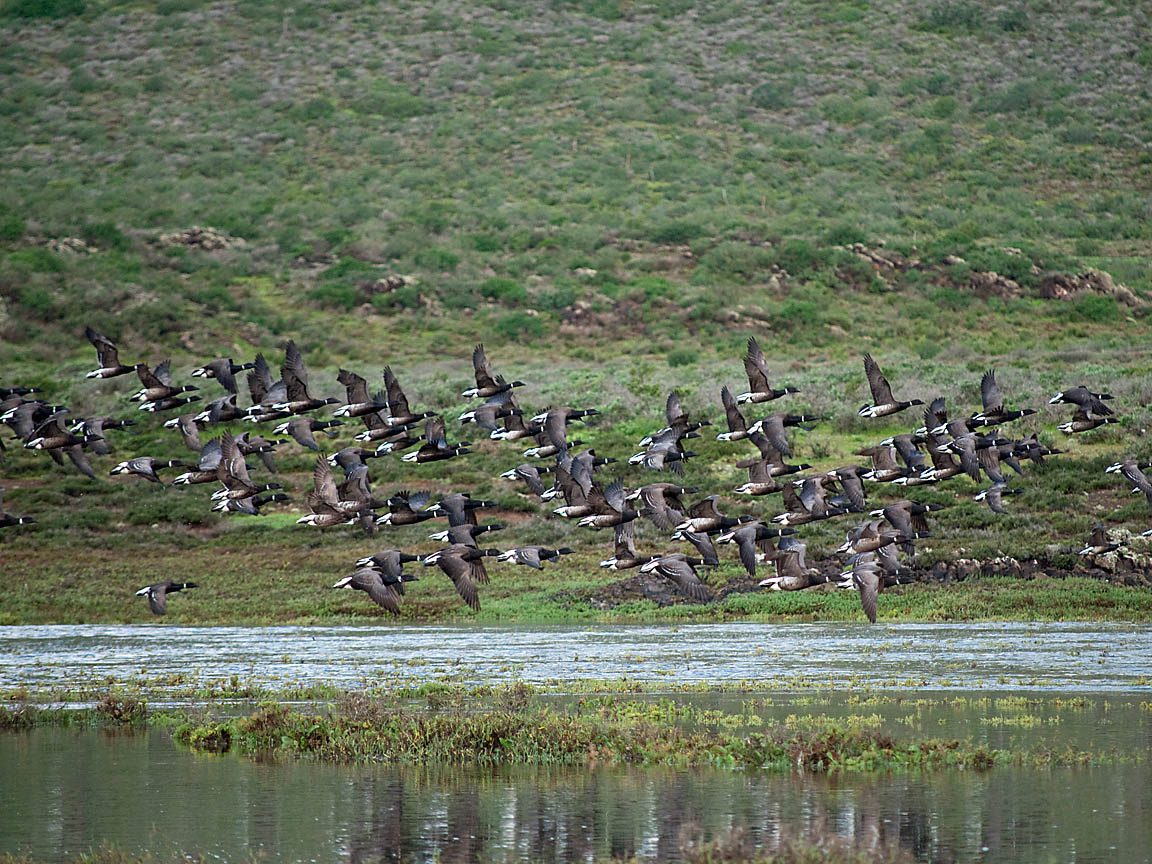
x=43, y=8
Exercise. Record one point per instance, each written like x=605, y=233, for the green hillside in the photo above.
x=612, y=197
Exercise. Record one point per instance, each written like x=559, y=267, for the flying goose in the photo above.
x=704, y=517
x=1083, y=421
x=377, y=428
x=663, y=454
x=515, y=429
x=157, y=385
x=907, y=447
x=1031, y=448
x=703, y=545
x=24, y=418
x=459, y=507
x=257, y=445
x=533, y=556
x=435, y=447
x=1085, y=399
x=851, y=482
x=993, y=496
x=810, y=503
x=868, y=536
x=1133, y=472
x=759, y=390
x=223, y=370
x=406, y=508
x=7, y=520
x=770, y=453
x=464, y=565
x=348, y=458
x=575, y=484
x=401, y=411
x=662, y=503
x=171, y=403
x=146, y=467
x=774, y=426
x=222, y=410
x=52, y=434
x=359, y=403
x=737, y=423
x=107, y=357
x=754, y=542
x=187, y=426
x=530, y=476
x=15, y=392
x=403, y=441
x=866, y=576
x=610, y=507
x=301, y=430
x=993, y=413
x=465, y=533
x=935, y=416
x=487, y=383
x=390, y=561
x=575, y=469
x=265, y=392
x=1099, y=543
x=381, y=587
x=295, y=376
x=158, y=594
x=883, y=402
x=495, y=408
x=357, y=487
x=680, y=570
x=94, y=427
x=232, y=472
x=248, y=506
x=761, y=480
x=792, y=570
x=910, y=519
x=624, y=555
x=327, y=503
x=678, y=426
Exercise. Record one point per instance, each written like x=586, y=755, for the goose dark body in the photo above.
x=108, y=363
x=157, y=594
x=883, y=402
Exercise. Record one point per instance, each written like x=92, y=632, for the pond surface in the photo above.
x=963, y=656
x=64, y=791
x=1055, y=687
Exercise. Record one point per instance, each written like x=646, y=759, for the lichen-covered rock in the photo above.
x=70, y=246
x=200, y=237
x=1066, y=286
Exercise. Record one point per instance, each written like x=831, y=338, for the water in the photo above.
x=1064, y=657
x=65, y=791
x=1007, y=685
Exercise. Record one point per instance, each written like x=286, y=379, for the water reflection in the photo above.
x=960, y=656
x=63, y=791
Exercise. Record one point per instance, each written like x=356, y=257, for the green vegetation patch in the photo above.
x=545, y=735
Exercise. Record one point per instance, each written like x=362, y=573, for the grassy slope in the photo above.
x=612, y=197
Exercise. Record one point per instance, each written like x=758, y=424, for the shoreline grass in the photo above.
x=518, y=724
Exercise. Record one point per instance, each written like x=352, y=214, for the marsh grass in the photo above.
x=642, y=734
x=519, y=724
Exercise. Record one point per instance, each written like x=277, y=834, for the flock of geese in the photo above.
x=875, y=549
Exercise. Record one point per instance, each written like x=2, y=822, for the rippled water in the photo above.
x=942, y=656
x=64, y=791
